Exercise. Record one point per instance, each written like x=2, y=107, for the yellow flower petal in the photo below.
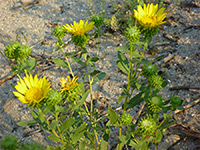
x=32, y=90
x=80, y=28
x=149, y=16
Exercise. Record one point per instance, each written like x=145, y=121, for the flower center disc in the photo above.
x=34, y=95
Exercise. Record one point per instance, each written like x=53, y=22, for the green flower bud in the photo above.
x=9, y=143
x=126, y=119
x=155, y=103
x=175, y=101
x=80, y=40
x=98, y=20
x=53, y=98
x=16, y=50
x=59, y=31
x=23, y=51
x=11, y=50
x=148, y=32
x=73, y=94
x=149, y=70
x=132, y=34
x=147, y=126
x=156, y=81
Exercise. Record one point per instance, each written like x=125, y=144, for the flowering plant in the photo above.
x=75, y=124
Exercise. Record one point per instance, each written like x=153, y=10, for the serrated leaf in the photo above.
x=60, y=62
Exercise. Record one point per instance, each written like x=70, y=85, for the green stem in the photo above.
x=160, y=126
x=61, y=137
x=138, y=63
x=120, y=133
x=67, y=61
x=91, y=108
x=91, y=139
x=132, y=134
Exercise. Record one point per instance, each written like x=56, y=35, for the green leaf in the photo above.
x=27, y=123
x=82, y=146
x=34, y=114
x=71, y=54
x=104, y=140
x=50, y=148
x=80, y=103
x=95, y=72
x=122, y=139
x=53, y=124
x=158, y=58
x=122, y=57
x=79, y=133
x=82, y=87
x=136, y=54
x=60, y=62
x=29, y=64
x=41, y=116
x=93, y=59
x=122, y=66
x=54, y=138
x=124, y=48
x=137, y=99
x=164, y=84
x=112, y=115
x=132, y=143
x=99, y=77
x=120, y=98
x=69, y=122
x=159, y=136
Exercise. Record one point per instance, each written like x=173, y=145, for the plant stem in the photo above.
x=160, y=126
x=61, y=137
x=120, y=133
x=67, y=61
x=91, y=108
x=91, y=139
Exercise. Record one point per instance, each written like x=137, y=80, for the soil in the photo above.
x=178, y=42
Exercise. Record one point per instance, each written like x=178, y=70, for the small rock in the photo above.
x=27, y=2
x=168, y=58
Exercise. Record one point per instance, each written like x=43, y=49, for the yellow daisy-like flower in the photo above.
x=31, y=90
x=68, y=84
x=150, y=16
x=80, y=28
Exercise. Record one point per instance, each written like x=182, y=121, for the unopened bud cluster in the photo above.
x=17, y=50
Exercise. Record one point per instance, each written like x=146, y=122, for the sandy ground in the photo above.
x=179, y=41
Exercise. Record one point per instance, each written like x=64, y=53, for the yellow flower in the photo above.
x=80, y=28
x=31, y=90
x=150, y=16
x=68, y=84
